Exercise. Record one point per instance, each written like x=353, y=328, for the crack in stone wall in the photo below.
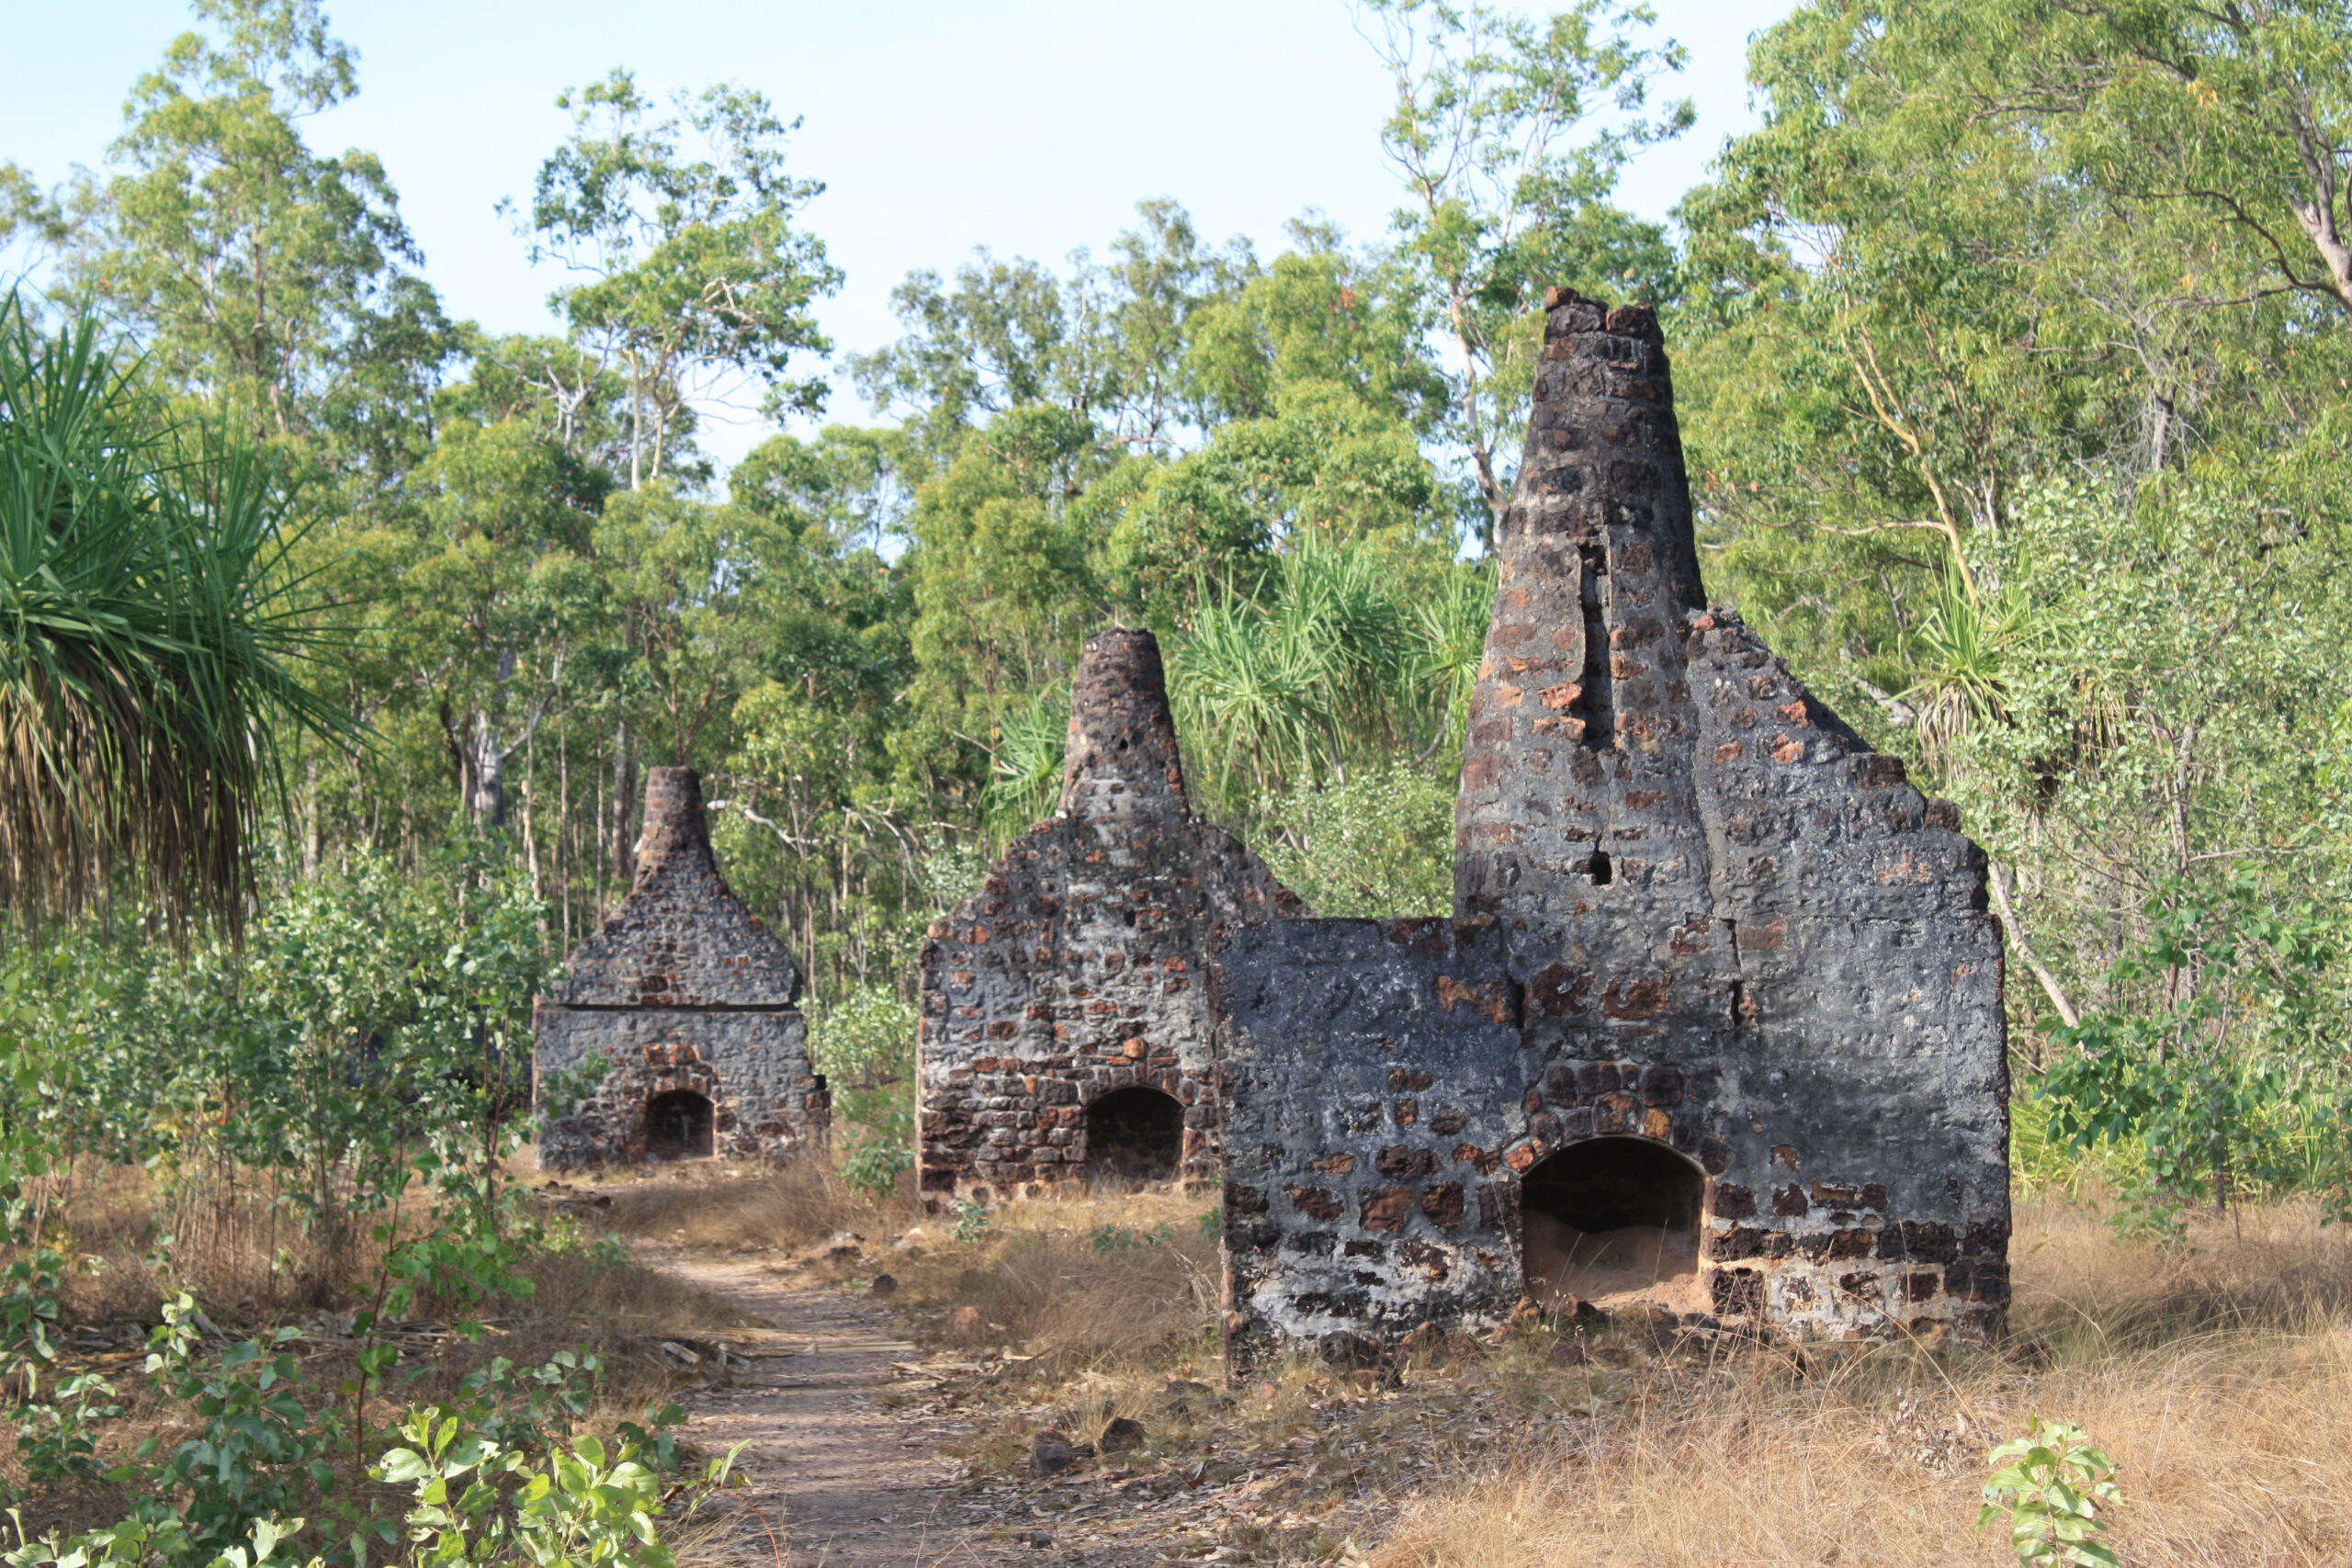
x=680, y=988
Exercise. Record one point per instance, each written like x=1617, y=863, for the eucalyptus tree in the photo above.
x=500, y=589
x=1317, y=312
x=2240, y=113
x=1509, y=136
x=1005, y=585
x=263, y=274
x=26, y=211
x=560, y=391
x=846, y=485
x=1150, y=298
x=818, y=826
x=999, y=339
x=1322, y=463
x=1974, y=246
x=690, y=584
x=694, y=270
x=1106, y=341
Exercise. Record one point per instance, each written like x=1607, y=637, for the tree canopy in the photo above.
x=2010, y=349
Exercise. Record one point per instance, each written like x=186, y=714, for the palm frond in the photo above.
x=1025, y=768
x=1964, y=652
x=1248, y=689
x=148, y=628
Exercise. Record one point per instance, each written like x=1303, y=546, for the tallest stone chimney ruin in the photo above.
x=1721, y=1002
x=1578, y=762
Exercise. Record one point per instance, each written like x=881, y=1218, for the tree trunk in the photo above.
x=313, y=834
x=485, y=778
x=623, y=848
x=636, y=424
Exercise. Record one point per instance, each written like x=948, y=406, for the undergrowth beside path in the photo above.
x=1071, y=1350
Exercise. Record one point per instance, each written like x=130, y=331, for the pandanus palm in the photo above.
x=148, y=628
x=1026, y=774
x=1341, y=606
x=1248, y=699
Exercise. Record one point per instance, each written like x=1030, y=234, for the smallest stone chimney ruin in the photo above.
x=1067, y=1026
x=690, y=1007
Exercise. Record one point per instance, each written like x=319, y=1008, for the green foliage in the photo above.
x=148, y=633
x=367, y=1049
x=1026, y=774
x=865, y=1044
x=1509, y=135
x=695, y=268
x=1346, y=656
x=2054, y=1490
x=1379, y=843
x=1316, y=315
x=2134, y=699
x=54, y=1425
x=483, y=1505
x=1109, y=344
x=141, y=1543
x=493, y=581
x=258, y=1448
x=877, y=1165
x=1106, y=1239
x=1322, y=463
x=272, y=278
x=536, y=1492
x=2233, y=1081
x=1885, y=339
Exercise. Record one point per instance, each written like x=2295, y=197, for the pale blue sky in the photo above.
x=1029, y=126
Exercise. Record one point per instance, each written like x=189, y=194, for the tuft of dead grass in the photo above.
x=2219, y=1378
x=734, y=1206
x=1116, y=1282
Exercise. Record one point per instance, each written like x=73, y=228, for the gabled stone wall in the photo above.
x=1079, y=968
x=1694, y=911
x=681, y=992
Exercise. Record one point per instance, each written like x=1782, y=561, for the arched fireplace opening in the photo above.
x=678, y=1125
x=1614, y=1221
x=1135, y=1135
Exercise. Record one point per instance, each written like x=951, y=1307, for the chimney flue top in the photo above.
x=1122, y=746
x=674, y=822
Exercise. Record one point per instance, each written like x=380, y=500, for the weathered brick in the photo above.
x=692, y=1005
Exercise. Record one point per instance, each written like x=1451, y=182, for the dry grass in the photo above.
x=2221, y=1379
x=1072, y=1284
x=1118, y=1282
x=734, y=1206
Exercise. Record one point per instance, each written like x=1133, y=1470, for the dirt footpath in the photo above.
x=841, y=1481
x=847, y=1432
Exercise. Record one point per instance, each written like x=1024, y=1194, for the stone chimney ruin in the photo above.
x=1716, y=1027
x=1068, y=1031
x=689, y=1005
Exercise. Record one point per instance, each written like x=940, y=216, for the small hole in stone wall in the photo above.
x=1614, y=1221
x=1135, y=1135
x=1599, y=869
x=677, y=1125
